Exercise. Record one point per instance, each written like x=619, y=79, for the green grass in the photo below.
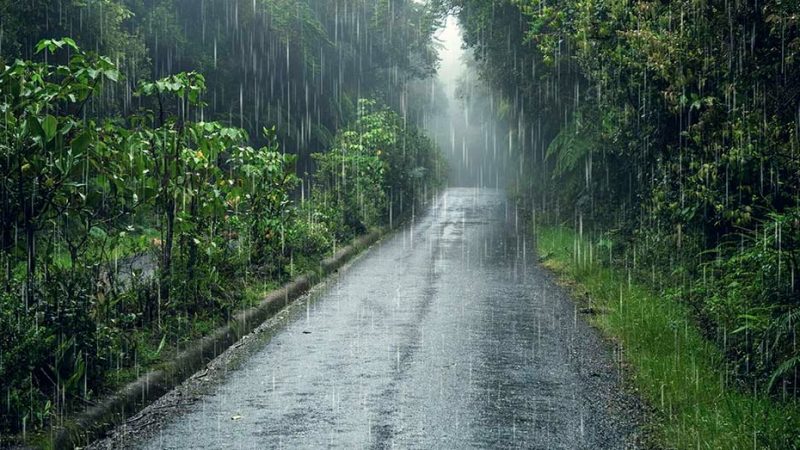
x=676, y=371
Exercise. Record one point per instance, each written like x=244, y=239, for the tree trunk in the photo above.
x=30, y=247
x=7, y=242
x=166, y=250
x=192, y=262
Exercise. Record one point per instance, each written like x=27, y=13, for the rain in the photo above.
x=399, y=223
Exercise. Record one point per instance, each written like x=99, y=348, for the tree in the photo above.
x=45, y=147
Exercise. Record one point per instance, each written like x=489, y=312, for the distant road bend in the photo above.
x=445, y=335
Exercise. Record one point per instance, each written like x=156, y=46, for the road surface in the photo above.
x=445, y=335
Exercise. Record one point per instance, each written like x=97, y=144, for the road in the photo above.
x=445, y=335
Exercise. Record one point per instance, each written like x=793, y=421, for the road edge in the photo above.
x=90, y=424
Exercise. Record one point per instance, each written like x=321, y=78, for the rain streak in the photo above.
x=399, y=224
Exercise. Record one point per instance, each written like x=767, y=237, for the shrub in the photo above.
x=378, y=168
x=24, y=347
x=747, y=292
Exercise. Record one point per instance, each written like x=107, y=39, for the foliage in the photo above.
x=377, y=168
x=125, y=235
x=667, y=126
x=747, y=291
x=679, y=373
x=46, y=149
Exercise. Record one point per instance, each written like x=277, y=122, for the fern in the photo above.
x=783, y=330
x=784, y=326
x=570, y=147
x=785, y=368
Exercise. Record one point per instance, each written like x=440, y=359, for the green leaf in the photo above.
x=70, y=43
x=49, y=127
x=81, y=143
x=161, y=345
x=50, y=44
x=35, y=128
x=111, y=74
x=783, y=370
x=41, y=45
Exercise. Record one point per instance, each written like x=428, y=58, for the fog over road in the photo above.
x=445, y=335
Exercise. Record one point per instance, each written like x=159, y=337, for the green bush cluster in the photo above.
x=745, y=287
x=126, y=236
x=377, y=170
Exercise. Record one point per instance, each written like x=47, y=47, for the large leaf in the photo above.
x=35, y=128
x=111, y=74
x=81, y=143
x=49, y=127
x=98, y=233
x=784, y=369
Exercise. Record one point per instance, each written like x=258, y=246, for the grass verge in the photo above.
x=678, y=372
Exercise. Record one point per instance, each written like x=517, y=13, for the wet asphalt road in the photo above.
x=445, y=335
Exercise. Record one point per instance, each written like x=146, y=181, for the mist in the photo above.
x=464, y=119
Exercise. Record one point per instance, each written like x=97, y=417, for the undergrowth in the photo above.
x=677, y=371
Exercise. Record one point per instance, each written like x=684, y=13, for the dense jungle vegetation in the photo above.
x=666, y=135
x=166, y=161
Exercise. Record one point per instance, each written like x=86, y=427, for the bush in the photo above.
x=309, y=238
x=746, y=291
x=378, y=168
x=24, y=348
